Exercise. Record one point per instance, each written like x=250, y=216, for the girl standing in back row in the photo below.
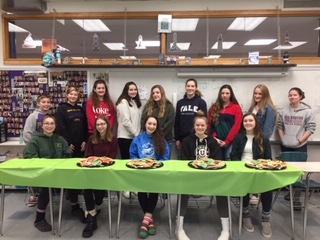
x=98, y=104
x=225, y=119
x=186, y=110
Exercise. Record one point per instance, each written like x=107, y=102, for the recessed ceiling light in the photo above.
x=92, y=25
x=182, y=46
x=212, y=56
x=184, y=24
x=225, y=45
x=246, y=24
x=150, y=43
x=294, y=45
x=128, y=57
x=253, y=42
x=114, y=46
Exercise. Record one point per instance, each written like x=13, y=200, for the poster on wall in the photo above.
x=19, y=91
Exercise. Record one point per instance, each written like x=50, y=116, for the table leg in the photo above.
x=230, y=217
x=306, y=203
x=240, y=217
x=169, y=216
x=109, y=210
x=2, y=208
x=60, y=212
x=119, y=214
x=51, y=209
x=178, y=212
x=291, y=210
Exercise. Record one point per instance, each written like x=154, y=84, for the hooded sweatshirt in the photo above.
x=142, y=147
x=193, y=148
x=43, y=146
x=102, y=109
x=166, y=122
x=186, y=111
x=33, y=124
x=72, y=123
x=294, y=123
x=230, y=120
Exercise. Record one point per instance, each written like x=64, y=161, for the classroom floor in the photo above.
x=201, y=222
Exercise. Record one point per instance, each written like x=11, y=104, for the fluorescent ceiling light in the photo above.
x=92, y=25
x=63, y=49
x=246, y=24
x=294, y=45
x=15, y=28
x=184, y=24
x=114, y=46
x=253, y=42
x=128, y=57
x=212, y=57
x=265, y=56
x=318, y=28
x=79, y=58
x=225, y=45
x=233, y=74
x=182, y=46
x=38, y=43
x=150, y=43
x=62, y=21
x=28, y=42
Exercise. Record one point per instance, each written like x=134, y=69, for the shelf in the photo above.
x=214, y=66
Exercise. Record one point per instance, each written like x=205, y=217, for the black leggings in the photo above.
x=91, y=200
x=124, y=146
x=266, y=200
x=148, y=201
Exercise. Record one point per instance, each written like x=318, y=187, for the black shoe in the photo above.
x=287, y=197
x=80, y=214
x=91, y=226
x=297, y=206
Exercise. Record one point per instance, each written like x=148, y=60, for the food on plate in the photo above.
x=207, y=163
x=144, y=163
x=266, y=164
x=95, y=161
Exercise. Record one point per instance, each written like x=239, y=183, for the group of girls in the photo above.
x=225, y=134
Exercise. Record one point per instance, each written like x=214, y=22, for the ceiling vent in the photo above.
x=24, y=6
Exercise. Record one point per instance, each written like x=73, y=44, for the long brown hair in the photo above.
x=266, y=99
x=94, y=95
x=158, y=141
x=151, y=104
x=219, y=103
x=96, y=136
x=125, y=95
x=258, y=137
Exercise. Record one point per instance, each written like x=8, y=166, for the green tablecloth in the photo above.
x=174, y=177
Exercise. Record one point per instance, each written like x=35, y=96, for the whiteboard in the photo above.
x=305, y=77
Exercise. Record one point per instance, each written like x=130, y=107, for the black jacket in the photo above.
x=239, y=144
x=72, y=124
x=193, y=148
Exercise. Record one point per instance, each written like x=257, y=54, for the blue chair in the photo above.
x=300, y=185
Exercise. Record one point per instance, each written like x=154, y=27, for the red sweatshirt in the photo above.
x=103, y=109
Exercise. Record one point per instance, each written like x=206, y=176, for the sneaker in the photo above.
x=254, y=200
x=266, y=229
x=80, y=214
x=126, y=195
x=297, y=206
x=247, y=224
x=33, y=200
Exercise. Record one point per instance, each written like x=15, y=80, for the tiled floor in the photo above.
x=201, y=221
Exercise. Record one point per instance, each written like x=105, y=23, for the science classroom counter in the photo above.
x=174, y=177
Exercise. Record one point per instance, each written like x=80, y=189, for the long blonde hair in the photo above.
x=266, y=99
x=151, y=104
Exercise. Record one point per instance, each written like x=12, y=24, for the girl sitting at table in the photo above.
x=149, y=144
x=46, y=145
x=201, y=145
x=100, y=144
x=251, y=144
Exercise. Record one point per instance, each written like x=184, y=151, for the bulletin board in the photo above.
x=19, y=91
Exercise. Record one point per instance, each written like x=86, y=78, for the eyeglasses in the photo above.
x=48, y=124
x=100, y=124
